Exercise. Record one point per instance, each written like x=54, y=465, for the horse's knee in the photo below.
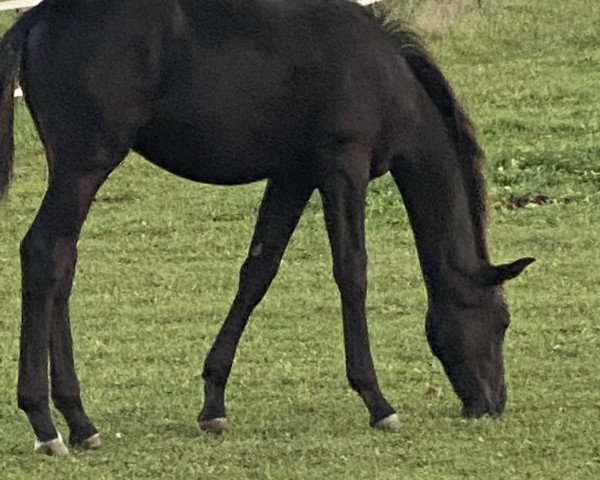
x=350, y=276
x=258, y=265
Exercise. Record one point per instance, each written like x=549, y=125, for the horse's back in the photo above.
x=264, y=90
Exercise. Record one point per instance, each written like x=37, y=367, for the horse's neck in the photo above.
x=449, y=241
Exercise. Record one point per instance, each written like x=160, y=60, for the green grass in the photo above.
x=158, y=266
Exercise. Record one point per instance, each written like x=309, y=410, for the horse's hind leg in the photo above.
x=280, y=210
x=48, y=254
x=64, y=383
x=344, y=198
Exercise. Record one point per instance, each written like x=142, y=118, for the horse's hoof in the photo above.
x=91, y=443
x=56, y=446
x=391, y=422
x=214, y=425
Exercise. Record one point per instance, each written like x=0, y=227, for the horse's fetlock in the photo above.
x=215, y=373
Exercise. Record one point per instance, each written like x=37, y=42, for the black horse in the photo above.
x=309, y=94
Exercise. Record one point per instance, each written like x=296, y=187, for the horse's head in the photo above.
x=465, y=330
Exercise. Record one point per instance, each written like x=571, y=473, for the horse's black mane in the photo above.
x=458, y=123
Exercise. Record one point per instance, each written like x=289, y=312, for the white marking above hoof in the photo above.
x=391, y=422
x=214, y=425
x=92, y=443
x=56, y=446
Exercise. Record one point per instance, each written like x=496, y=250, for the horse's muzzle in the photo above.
x=492, y=403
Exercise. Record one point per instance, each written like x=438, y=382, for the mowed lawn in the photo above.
x=158, y=266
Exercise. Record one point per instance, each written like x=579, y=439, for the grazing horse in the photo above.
x=309, y=94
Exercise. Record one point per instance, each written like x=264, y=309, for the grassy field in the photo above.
x=158, y=266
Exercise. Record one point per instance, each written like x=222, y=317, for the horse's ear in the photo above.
x=496, y=275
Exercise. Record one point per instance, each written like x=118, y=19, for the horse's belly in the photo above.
x=194, y=153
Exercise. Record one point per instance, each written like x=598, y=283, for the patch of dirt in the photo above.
x=120, y=198
x=521, y=201
x=432, y=392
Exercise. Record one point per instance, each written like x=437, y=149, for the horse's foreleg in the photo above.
x=280, y=210
x=344, y=196
x=48, y=254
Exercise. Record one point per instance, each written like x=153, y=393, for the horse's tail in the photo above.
x=11, y=50
x=457, y=122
